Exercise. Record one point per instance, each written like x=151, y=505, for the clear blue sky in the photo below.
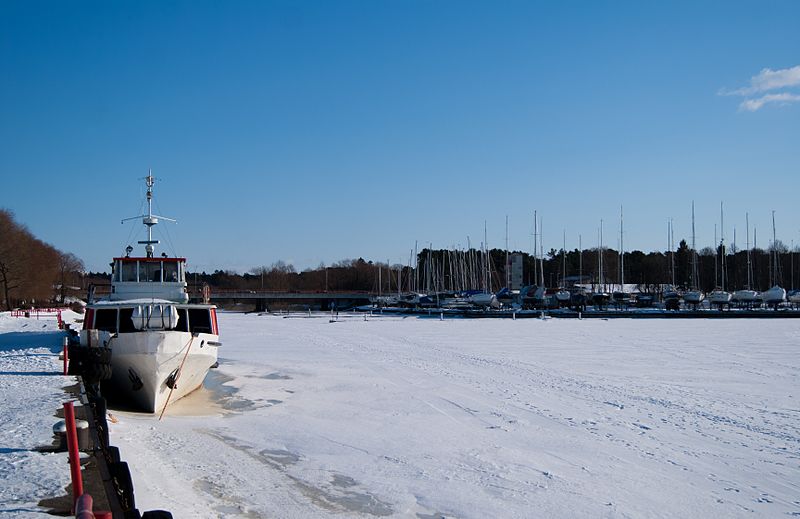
x=311, y=132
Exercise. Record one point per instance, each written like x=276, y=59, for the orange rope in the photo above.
x=177, y=376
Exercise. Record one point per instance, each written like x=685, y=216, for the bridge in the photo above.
x=263, y=298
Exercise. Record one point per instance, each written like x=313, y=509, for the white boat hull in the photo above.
x=483, y=300
x=693, y=297
x=774, y=295
x=142, y=363
x=719, y=297
x=746, y=296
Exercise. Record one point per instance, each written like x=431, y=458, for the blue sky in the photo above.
x=311, y=132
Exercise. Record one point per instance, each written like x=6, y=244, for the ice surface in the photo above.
x=484, y=418
x=408, y=417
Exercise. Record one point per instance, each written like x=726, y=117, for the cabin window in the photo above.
x=128, y=271
x=199, y=320
x=106, y=320
x=126, y=320
x=171, y=271
x=150, y=271
x=183, y=321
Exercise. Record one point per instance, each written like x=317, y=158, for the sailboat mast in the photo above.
x=621, y=254
x=694, y=254
x=535, y=248
x=541, y=254
x=564, y=261
x=602, y=277
x=774, y=252
x=507, y=269
x=722, y=245
x=747, y=244
x=580, y=260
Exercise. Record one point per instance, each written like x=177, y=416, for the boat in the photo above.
x=161, y=345
x=694, y=296
x=777, y=294
x=747, y=296
x=774, y=296
x=719, y=296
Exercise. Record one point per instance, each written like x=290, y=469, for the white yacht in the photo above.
x=161, y=346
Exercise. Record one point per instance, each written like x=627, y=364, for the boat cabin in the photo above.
x=150, y=278
x=136, y=317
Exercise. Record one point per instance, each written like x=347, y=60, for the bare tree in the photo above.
x=69, y=266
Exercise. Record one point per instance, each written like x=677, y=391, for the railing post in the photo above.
x=74, y=456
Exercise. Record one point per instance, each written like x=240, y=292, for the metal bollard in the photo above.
x=66, y=354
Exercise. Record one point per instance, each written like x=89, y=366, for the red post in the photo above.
x=72, y=447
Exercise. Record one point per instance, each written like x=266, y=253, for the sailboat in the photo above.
x=747, y=296
x=600, y=296
x=719, y=296
x=563, y=295
x=621, y=297
x=777, y=294
x=694, y=296
x=671, y=295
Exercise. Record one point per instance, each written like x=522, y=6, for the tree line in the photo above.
x=33, y=272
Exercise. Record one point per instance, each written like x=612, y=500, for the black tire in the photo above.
x=112, y=455
x=157, y=514
x=121, y=475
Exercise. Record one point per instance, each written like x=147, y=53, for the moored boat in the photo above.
x=161, y=345
x=774, y=296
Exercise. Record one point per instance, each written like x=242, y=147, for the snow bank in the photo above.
x=31, y=386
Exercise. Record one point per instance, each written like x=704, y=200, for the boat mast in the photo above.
x=671, y=244
x=541, y=254
x=694, y=254
x=507, y=269
x=747, y=244
x=722, y=245
x=621, y=254
x=774, y=252
x=564, y=262
x=602, y=277
x=716, y=256
x=535, y=249
x=580, y=260
x=149, y=220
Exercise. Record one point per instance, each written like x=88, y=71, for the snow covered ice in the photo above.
x=414, y=417
x=32, y=391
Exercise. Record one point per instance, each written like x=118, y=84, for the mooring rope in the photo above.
x=177, y=376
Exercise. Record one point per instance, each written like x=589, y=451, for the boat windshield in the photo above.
x=170, y=271
x=149, y=271
x=128, y=271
